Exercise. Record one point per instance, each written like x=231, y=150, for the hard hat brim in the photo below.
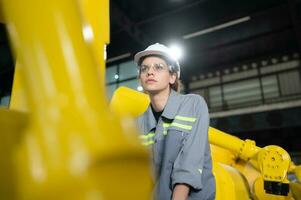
x=144, y=53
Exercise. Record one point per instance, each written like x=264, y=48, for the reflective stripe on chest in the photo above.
x=181, y=122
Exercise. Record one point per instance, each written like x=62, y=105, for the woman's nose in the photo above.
x=150, y=71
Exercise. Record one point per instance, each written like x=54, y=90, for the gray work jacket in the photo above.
x=179, y=147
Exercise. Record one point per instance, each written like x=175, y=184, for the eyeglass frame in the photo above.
x=157, y=67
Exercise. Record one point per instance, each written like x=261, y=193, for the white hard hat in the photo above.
x=161, y=50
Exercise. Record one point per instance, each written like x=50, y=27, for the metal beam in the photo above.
x=130, y=27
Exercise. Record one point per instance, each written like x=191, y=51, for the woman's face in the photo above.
x=154, y=75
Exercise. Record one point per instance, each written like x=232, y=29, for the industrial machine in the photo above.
x=61, y=140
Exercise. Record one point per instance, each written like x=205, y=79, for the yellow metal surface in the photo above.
x=247, y=170
x=230, y=185
x=274, y=163
x=226, y=157
x=243, y=149
x=12, y=124
x=96, y=29
x=222, y=155
x=18, y=100
x=1, y=15
x=73, y=147
x=129, y=102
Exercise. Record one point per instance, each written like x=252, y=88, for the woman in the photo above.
x=175, y=126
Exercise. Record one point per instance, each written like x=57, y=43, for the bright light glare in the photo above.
x=176, y=52
x=88, y=33
x=105, y=52
x=116, y=76
x=140, y=88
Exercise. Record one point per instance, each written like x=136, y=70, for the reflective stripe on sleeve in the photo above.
x=147, y=139
x=149, y=135
x=187, y=119
x=148, y=143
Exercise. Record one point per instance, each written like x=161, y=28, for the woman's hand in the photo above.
x=180, y=192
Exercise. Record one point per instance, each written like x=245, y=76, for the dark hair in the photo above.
x=177, y=85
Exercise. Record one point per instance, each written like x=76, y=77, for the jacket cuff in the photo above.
x=193, y=180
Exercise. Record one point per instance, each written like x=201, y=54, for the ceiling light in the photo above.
x=176, y=51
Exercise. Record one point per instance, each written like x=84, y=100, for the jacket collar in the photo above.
x=170, y=110
x=172, y=106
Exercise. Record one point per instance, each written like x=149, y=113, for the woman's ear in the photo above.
x=172, y=78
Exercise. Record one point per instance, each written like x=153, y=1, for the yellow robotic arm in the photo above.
x=273, y=162
x=67, y=144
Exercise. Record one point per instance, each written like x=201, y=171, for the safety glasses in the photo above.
x=157, y=67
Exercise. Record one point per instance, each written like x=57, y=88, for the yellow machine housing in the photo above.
x=61, y=139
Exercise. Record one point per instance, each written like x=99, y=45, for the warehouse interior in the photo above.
x=243, y=57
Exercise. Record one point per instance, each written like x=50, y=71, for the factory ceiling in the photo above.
x=214, y=34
